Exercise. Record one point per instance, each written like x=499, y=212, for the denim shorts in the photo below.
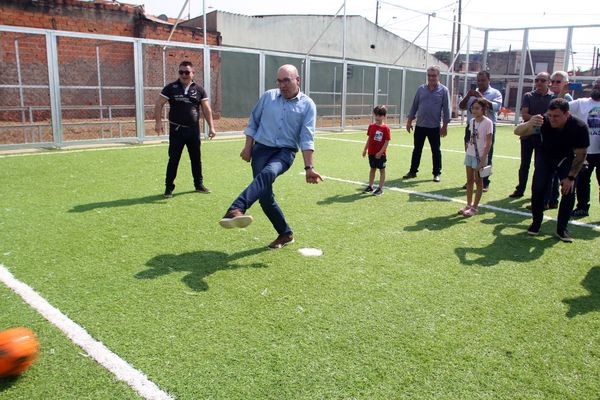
x=471, y=161
x=377, y=163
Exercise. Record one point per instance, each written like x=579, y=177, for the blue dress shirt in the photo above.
x=278, y=122
x=429, y=105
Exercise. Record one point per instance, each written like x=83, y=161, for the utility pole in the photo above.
x=376, y=12
x=459, y=25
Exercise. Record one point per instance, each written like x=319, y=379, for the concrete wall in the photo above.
x=297, y=33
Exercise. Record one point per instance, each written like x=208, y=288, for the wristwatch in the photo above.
x=308, y=167
x=571, y=178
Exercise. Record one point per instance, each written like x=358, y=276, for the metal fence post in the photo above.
x=344, y=91
x=140, y=111
x=207, y=81
x=402, y=96
x=54, y=88
x=261, y=74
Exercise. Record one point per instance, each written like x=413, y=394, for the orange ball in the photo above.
x=18, y=350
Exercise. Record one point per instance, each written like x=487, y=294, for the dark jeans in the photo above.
x=552, y=191
x=267, y=164
x=486, y=180
x=527, y=147
x=178, y=138
x=433, y=135
x=584, y=178
x=545, y=169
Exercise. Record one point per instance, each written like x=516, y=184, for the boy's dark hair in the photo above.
x=559, y=104
x=484, y=104
x=186, y=64
x=380, y=110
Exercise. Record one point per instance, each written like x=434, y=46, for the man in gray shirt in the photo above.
x=431, y=102
x=534, y=103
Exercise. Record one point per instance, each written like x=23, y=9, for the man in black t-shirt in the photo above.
x=185, y=98
x=563, y=146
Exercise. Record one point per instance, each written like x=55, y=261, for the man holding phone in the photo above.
x=482, y=90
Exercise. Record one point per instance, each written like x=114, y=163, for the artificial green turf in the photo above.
x=409, y=300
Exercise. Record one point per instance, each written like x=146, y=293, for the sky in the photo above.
x=408, y=18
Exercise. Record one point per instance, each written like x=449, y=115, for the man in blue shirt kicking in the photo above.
x=282, y=122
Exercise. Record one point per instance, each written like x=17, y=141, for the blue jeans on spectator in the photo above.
x=545, y=169
x=267, y=164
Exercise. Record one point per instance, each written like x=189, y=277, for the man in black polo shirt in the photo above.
x=534, y=102
x=185, y=98
x=563, y=146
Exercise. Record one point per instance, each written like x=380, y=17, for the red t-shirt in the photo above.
x=378, y=134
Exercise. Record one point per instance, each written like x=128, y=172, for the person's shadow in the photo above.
x=437, y=223
x=590, y=303
x=522, y=247
x=198, y=264
x=348, y=198
x=159, y=199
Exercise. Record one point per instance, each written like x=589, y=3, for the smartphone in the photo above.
x=473, y=86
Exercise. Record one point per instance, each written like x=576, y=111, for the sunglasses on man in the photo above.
x=181, y=72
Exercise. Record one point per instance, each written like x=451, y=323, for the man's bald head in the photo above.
x=288, y=81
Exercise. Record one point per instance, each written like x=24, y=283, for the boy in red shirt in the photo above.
x=377, y=143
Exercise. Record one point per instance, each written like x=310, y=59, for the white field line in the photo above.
x=78, y=335
x=446, y=198
x=408, y=146
x=120, y=147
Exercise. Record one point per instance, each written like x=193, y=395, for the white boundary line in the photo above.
x=78, y=335
x=446, y=198
x=409, y=146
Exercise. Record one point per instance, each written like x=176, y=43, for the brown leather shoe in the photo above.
x=281, y=241
x=235, y=218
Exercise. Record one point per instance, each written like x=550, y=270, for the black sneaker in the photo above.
x=368, y=189
x=410, y=175
x=378, y=192
x=202, y=189
x=580, y=212
x=564, y=236
x=168, y=194
x=516, y=195
x=533, y=230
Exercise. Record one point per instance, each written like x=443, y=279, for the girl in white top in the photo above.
x=477, y=151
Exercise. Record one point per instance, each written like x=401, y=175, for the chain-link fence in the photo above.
x=60, y=88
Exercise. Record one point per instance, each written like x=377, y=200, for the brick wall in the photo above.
x=78, y=57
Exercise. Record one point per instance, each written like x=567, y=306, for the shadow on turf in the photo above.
x=6, y=383
x=198, y=264
x=437, y=223
x=518, y=247
x=590, y=303
x=155, y=198
x=348, y=198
